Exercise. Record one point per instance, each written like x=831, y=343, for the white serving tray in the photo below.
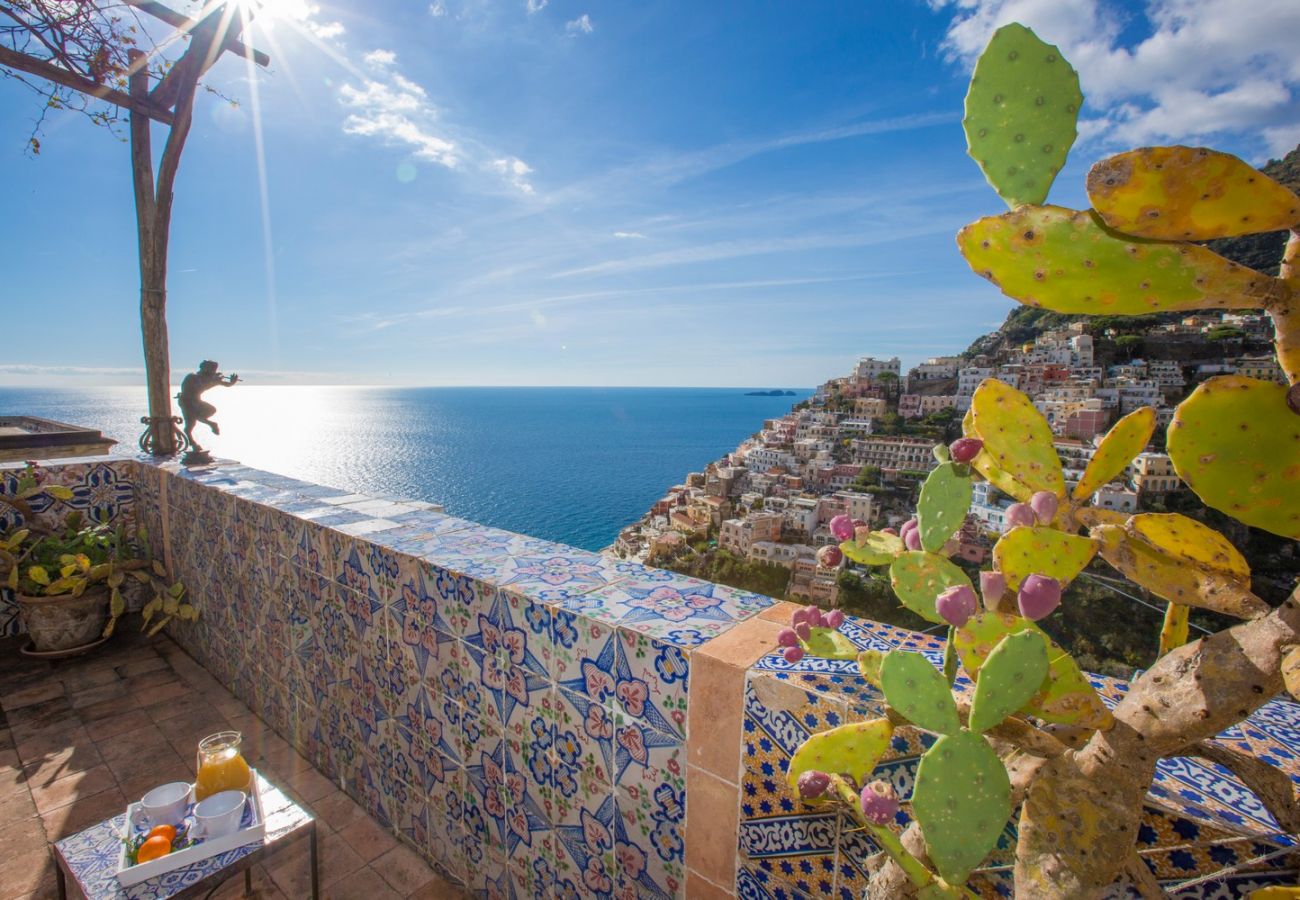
x=252, y=830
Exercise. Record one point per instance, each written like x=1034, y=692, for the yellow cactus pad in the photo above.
x=1237, y=445
x=1088, y=516
x=1016, y=436
x=853, y=749
x=1291, y=672
x=988, y=468
x=1188, y=194
x=1117, y=449
x=1189, y=540
x=1066, y=698
x=1068, y=261
x=1174, y=632
x=1171, y=578
x=1027, y=550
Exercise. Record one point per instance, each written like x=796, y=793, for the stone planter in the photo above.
x=64, y=622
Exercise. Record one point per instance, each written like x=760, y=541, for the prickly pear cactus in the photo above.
x=919, y=577
x=962, y=801
x=876, y=549
x=1188, y=540
x=945, y=500
x=1068, y=261
x=917, y=690
x=985, y=463
x=1016, y=436
x=1176, y=627
x=1188, y=194
x=1117, y=449
x=1009, y=678
x=1021, y=111
x=852, y=749
x=1041, y=550
x=1236, y=443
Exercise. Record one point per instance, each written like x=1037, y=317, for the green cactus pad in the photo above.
x=852, y=749
x=1188, y=194
x=1031, y=549
x=869, y=663
x=1017, y=436
x=919, y=577
x=1066, y=698
x=1021, y=111
x=877, y=550
x=1174, y=631
x=829, y=643
x=987, y=466
x=1237, y=445
x=962, y=801
x=945, y=501
x=1010, y=677
x=1067, y=261
x=1123, y=442
x=1173, y=579
x=1189, y=540
x=915, y=689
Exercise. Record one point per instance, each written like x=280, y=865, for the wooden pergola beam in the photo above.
x=24, y=63
x=185, y=24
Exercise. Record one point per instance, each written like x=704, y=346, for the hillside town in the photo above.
x=862, y=444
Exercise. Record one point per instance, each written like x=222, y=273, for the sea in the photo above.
x=570, y=464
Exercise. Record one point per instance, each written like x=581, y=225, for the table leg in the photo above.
x=62, y=881
x=315, y=876
x=248, y=881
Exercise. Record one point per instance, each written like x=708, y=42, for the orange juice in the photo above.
x=221, y=767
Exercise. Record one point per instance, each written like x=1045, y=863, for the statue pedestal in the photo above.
x=196, y=458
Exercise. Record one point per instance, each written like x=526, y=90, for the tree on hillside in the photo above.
x=97, y=57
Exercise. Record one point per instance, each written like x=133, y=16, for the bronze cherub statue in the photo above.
x=196, y=410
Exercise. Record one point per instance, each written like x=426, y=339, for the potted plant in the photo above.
x=69, y=581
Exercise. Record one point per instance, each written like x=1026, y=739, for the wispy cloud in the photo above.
x=437, y=9
x=515, y=171
x=398, y=112
x=628, y=234
x=379, y=59
x=580, y=25
x=537, y=5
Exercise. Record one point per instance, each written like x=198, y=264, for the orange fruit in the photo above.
x=153, y=848
x=166, y=831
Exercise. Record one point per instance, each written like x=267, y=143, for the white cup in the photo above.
x=219, y=815
x=165, y=804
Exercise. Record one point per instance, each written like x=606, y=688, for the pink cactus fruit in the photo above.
x=893, y=531
x=812, y=784
x=912, y=539
x=910, y=525
x=963, y=450
x=814, y=619
x=829, y=557
x=1044, y=505
x=956, y=605
x=1039, y=595
x=859, y=523
x=861, y=533
x=842, y=527
x=799, y=615
x=787, y=638
x=834, y=618
x=792, y=654
x=992, y=585
x=1020, y=514
x=879, y=802
x=803, y=631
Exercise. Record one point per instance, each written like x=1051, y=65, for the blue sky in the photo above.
x=593, y=192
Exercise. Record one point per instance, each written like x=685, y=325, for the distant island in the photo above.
x=775, y=392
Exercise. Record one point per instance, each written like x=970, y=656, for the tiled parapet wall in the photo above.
x=102, y=489
x=1199, y=819
x=516, y=709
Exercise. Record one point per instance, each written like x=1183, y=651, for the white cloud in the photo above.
x=582, y=25
x=307, y=16
x=628, y=234
x=1204, y=67
x=398, y=112
x=379, y=59
x=437, y=10
x=516, y=171
x=537, y=5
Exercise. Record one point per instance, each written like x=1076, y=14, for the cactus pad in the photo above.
x=1009, y=678
x=1237, y=445
x=945, y=500
x=1188, y=194
x=869, y=663
x=1016, y=436
x=852, y=749
x=1173, y=579
x=918, y=578
x=1026, y=550
x=1174, y=631
x=1088, y=516
x=1291, y=672
x=986, y=465
x=829, y=643
x=1189, y=540
x=1123, y=442
x=962, y=801
x=1067, y=261
x=877, y=550
x=1021, y=111
x=1066, y=697
x=916, y=689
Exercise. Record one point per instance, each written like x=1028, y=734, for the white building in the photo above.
x=870, y=368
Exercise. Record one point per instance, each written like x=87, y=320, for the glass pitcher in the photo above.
x=221, y=767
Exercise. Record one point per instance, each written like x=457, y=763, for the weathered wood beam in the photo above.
x=185, y=24
x=42, y=69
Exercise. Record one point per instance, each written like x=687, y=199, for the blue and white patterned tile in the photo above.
x=653, y=682
x=585, y=841
x=680, y=610
x=649, y=845
x=582, y=740
x=506, y=651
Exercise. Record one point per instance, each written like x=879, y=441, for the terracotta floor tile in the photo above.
x=139, y=742
x=74, y=681
x=70, y=760
x=91, y=696
x=51, y=741
x=39, y=692
x=363, y=884
x=108, y=728
x=263, y=887
x=72, y=788
x=152, y=663
x=438, y=888
x=336, y=860
x=308, y=783
x=336, y=810
x=107, y=708
x=67, y=820
x=404, y=869
x=45, y=714
x=30, y=874
x=367, y=837
x=17, y=805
